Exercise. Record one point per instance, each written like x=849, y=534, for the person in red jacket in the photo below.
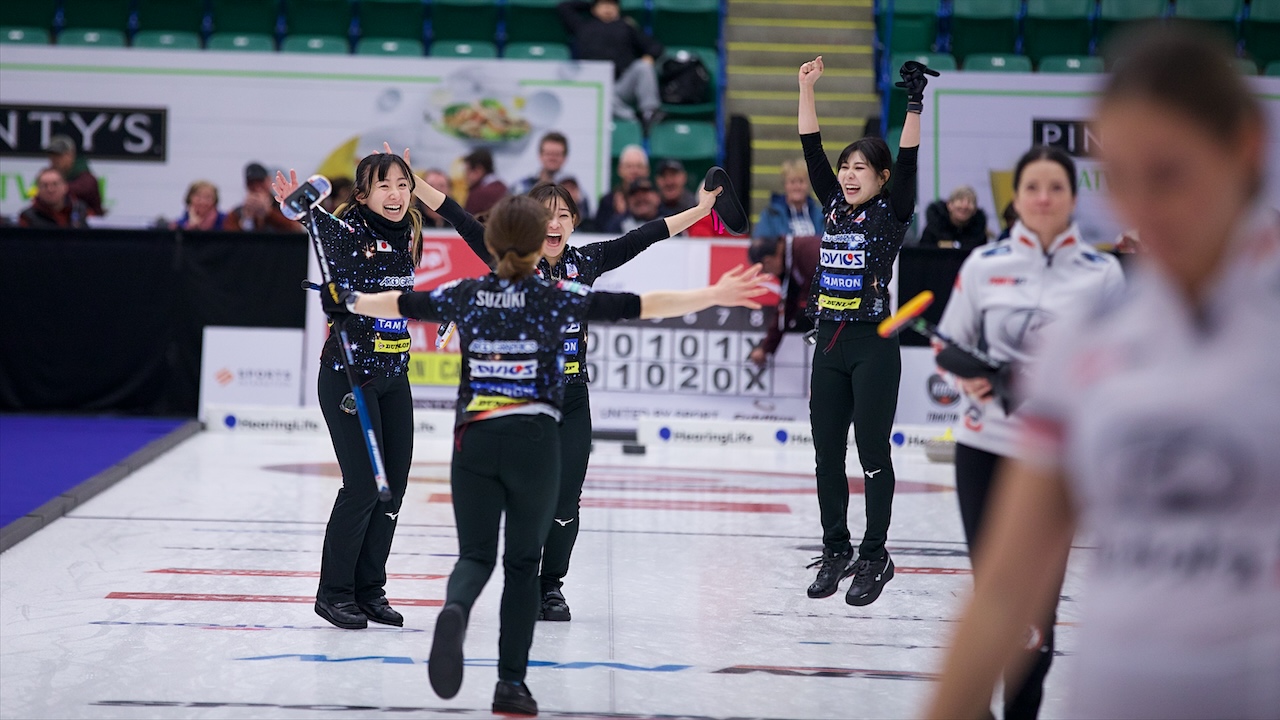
x=81, y=183
x=53, y=206
x=793, y=261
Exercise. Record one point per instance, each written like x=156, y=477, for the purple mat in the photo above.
x=42, y=457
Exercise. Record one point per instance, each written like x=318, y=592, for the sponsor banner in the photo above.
x=844, y=259
x=836, y=303
x=257, y=366
x=428, y=425
x=128, y=134
x=926, y=396
x=982, y=123
x=679, y=432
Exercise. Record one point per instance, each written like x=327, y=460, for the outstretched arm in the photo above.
x=809, y=74
x=821, y=177
x=684, y=220
x=735, y=288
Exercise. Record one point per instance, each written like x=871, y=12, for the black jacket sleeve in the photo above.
x=570, y=13
x=903, y=197
x=610, y=306
x=935, y=219
x=821, y=176
x=612, y=254
x=420, y=306
x=468, y=227
x=643, y=42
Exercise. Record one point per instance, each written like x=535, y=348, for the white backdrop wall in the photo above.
x=174, y=117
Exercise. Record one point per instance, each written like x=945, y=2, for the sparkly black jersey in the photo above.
x=859, y=244
x=578, y=264
x=511, y=334
x=361, y=259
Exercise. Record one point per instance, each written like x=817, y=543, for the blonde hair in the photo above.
x=199, y=185
x=794, y=166
x=964, y=191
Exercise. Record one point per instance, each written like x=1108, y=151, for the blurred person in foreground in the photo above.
x=1151, y=424
x=259, y=211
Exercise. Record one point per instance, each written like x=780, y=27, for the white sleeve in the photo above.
x=1050, y=395
x=962, y=318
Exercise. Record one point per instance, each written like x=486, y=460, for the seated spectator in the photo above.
x=202, y=208
x=587, y=222
x=600, y=32
x=81, y=182
x=339, y=194
x=794, y=261
x=633, y=164
x=260, y=212
x=794, y=211
x=484, y=189
x=553, y=150
x=956, y=222
x=673, y=188
x=642, y=206
x=53, y=205
x=438, y=179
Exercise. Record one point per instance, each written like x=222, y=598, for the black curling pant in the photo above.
x=1023, y=685
x=357, y=540
x=575, y=451
x=854, y=380
x=510, y=464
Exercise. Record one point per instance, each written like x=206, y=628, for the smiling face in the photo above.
x=1044, y=200
x=796, y=187
x=961, y=208
x=559, y=229
x=671, y=184
x=203, y=200
x=390, y=197
x=858, y=180
x=632, y=165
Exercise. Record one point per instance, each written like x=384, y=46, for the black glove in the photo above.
x=1003, y=379
x=333, y=300
x=914, y=81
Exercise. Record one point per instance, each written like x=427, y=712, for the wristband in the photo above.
x=352, y=297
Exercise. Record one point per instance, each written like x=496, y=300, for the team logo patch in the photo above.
x=1006, y=280
x=570, y=270
x=570, y=346
x=848, y=283
x=507, y=389
x=572, y=368
x=844, y=259
x=489, y=347
x=481, y=403
x=573, y=328
x=391, y=346
x=507, y=369
x=835, y=303
x=385, y=325
x=384, y=246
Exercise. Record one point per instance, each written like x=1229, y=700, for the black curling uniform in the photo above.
x=855, y=371
x=366, y=253
x=506, y=443
x=582, y=265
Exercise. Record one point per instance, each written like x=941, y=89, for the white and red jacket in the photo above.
x=1006, y=294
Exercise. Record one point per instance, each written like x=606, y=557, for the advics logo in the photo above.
x=941, y=392
x=508, y=369
x=848, y=259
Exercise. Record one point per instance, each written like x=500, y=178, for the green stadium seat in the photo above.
x=706, y=109
x=687, y=22
x=625, y=132
x=95, y=14
x=178, y=16
x=1071, y=64
x=243, y=42
x=1221, y=14
x=1057, y=27
x=464, y=20
x=1114, y=13
x=915, y=25
x=1261, y=31
x=390, y=46
x=1273, y=69
x=1246, y=66
x=638, y=11
x=388, y=19
x=994, y=62
x=318, y=44
x=24, y=35
x=534, y=21
x=245, y=17
x=463, y=49
x=28, y=14
x=941, y=62
x=81, y=37
x=693, y=143
x=166, y=40
x=537, y=51
x=318, y=17
x=984, y=26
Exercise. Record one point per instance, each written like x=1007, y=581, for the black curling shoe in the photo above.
x=343, y=614
x=869, y=578
x=444, y=666
x=554, y=607
x=513, y=698
x=380, y=611
x=832, y=568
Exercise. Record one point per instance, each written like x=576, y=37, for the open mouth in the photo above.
x=393, y=209
x=553, y=239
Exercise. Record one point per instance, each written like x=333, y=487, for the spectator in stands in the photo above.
x=202, y=208
x=794, y=211
x=957, y=222
x=633, y=164
x=553, y=150
x=339, y=194
x=642, y=206
x=794, y=261
x=53, y=205
x=484, y=188
x=438, y=179
x=81, y=182
x=587, y=222
x=260, y=212
x=600, y=32
x=673, y=188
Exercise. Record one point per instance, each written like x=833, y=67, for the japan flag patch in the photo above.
x=384, y=246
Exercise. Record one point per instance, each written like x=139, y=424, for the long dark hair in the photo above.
x=374, y=168
x=876, y=152
x=514, y=232
x=547, y=193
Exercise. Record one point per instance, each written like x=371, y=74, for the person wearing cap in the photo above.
x=673, y=188
x=553, y=150
x=260, y=212
x=53, y=205
x=794, y=261
x=642, y=206
x=633, y=164
x=484, y=188
x=82, y=185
